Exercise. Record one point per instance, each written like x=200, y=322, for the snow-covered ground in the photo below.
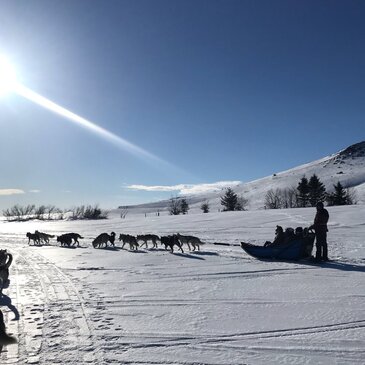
x=217, y=306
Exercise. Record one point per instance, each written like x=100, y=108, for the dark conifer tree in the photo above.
x=317, y=191
x=184, y=206
x=339, y=196
x=303, y=192
x=229, y=200
x=205, y=207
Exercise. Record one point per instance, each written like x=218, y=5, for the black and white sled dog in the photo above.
x=171, y=241
x=194, y=241
x=148, y=237
x=131, y=240
x=103, y=239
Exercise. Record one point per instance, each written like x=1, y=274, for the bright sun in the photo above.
x=7, y=76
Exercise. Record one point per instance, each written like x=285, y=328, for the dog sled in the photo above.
x=297, y=249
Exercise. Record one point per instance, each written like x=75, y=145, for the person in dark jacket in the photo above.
x=279, y=237
x=320, y=228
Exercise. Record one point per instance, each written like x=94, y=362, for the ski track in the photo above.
x=52, y=316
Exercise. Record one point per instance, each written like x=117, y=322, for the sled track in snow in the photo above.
x=52, y=316
x=186, y=339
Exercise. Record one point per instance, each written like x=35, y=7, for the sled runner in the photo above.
x=295, y=250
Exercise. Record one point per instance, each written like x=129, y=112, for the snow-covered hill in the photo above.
x=346, y=166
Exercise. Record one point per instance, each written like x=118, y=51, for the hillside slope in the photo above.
x=346, y=166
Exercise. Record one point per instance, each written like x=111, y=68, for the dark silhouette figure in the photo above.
x=5, y=339
x=5, y=261
x=279, y=239
x=320, y=228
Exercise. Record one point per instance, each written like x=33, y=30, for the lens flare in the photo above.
x=7, y=76
x=9, y=83
x=102, y=132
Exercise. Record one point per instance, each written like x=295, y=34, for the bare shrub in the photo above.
x=39, y=212
x=205, y=207
x=174, y=206
x=88, y=212
x=241, y=203
x=273, y=199
x=281, y=198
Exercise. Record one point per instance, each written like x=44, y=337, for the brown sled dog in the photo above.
x=194, y=241
x=103, y=239
x=131, y=240
x=44, y=236
x=67, y=238
x=148, y=237
x=34, y=237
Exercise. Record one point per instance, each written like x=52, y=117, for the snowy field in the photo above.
x=217, y=306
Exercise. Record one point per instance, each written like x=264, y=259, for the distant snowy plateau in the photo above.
x=217, y=306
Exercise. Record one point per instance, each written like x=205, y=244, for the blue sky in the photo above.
x=219, y=90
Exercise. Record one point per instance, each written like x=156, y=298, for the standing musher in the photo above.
x=320, y=228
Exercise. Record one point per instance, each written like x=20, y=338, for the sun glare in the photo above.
x=100, y=131
x=9, y=83
x=7, y=76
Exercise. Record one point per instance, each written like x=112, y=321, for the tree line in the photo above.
x=178, y=206
x=230, y=201
x=307, y=194
x=50, y=212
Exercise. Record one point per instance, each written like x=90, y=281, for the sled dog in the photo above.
x=5, y=339
x=194, y=241
x=34, y=237
x=44, y=236
x=103, y=239
x=73, y=236
x=148, y=237
x=64, y=240
x=171, y=241
x=131, y=240
x=6, y=260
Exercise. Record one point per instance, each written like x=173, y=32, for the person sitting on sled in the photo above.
x=279, y=237
x=299, y=232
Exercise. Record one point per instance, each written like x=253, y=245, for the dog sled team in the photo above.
x=169, y=242
x=193, y=243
